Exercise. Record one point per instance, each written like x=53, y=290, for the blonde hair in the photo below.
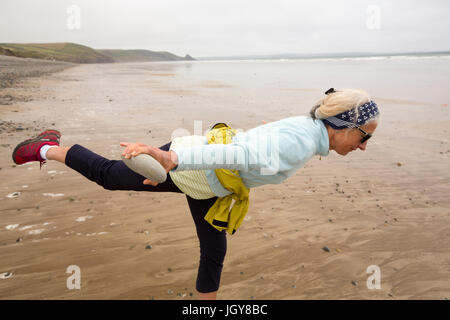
x=340, y=101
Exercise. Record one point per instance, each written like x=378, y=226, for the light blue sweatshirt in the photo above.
x=267, y=154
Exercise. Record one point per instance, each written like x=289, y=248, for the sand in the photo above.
x=387, y=206
x=13, y=69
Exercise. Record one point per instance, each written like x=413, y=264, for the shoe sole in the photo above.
x=47, y=133
x=36, y=139
x=43, y=135
x=51, y=131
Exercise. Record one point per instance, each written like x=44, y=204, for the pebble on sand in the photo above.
x=82, y=219
x=326, y=249
x=5, y=275
x=53, y=194
x=14, y=194
x=148, y=247
x=36, y=231
x=355, y=283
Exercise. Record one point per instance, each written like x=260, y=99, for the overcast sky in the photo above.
x=232, y=27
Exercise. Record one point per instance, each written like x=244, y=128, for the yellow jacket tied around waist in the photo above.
x=219, y=215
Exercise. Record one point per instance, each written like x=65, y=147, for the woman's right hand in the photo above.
x=168, y=159
x=132, y=149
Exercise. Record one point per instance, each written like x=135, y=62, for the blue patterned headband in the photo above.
x=348, y=119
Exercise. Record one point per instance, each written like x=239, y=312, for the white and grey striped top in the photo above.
x=191, y=182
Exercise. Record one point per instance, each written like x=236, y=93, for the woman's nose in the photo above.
x=362, y=146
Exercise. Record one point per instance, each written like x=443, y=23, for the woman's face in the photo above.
x=348, y=140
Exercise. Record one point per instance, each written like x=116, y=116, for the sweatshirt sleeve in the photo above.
x=297, y=147
x=278, y=148
x=233, y=156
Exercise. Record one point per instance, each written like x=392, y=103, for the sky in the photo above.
x=205, y=28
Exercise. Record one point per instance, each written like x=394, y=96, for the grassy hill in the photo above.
x=141, y=55
x=69, y=52
x=76, y=53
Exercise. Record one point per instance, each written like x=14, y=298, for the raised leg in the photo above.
x=57, y=153
x=110, y=174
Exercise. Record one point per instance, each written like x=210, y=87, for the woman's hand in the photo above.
x=134, y=149
x=168, y=159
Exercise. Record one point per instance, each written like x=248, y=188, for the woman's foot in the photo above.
x=29, y=150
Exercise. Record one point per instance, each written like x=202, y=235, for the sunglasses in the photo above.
x=366, y=136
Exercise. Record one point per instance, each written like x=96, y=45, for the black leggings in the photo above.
x=115, y=175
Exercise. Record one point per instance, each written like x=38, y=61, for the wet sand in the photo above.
x=387, y=206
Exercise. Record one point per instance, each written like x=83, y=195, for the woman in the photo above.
x=342, y=121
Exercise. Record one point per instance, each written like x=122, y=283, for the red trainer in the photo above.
x=29, y=150
x=54, y=133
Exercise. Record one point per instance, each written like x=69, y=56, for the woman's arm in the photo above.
x=281, y=146
x=269, y=150
x=210, y=157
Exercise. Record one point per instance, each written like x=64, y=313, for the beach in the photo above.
x=312, y=237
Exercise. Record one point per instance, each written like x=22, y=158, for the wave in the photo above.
x=396, y=57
